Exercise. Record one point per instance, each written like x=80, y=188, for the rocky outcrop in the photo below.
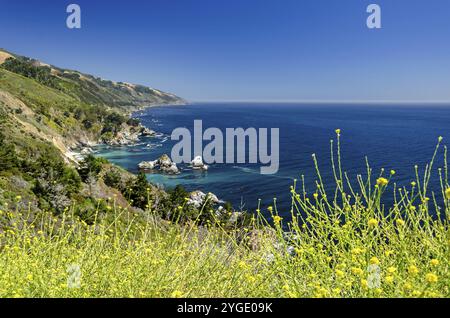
x=128, y=135
x=147, y=132
x=164, y=165
x=197, y=164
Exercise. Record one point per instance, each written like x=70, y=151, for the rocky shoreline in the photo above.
x=128, y=135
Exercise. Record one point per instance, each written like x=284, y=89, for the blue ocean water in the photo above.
x=391, y=136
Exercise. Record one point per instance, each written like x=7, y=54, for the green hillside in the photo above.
x=87, y=88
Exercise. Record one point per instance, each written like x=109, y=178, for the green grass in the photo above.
x=341, y=244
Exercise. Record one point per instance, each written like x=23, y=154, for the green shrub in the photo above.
x=137, y=191
x=54, y=182
x=113, y=179
x=8, y=157
x=91, y=167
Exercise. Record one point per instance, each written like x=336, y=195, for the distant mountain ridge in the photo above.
x=88, y=88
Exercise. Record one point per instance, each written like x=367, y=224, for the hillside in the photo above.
x=87, y=88
x=67, y=109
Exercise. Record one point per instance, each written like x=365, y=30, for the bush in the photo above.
x=8, y=157
x=91, y=167
x=137, y=192
x=54, y=183
x=134, y=122
x=113, y=179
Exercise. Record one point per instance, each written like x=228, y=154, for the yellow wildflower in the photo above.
x=392, y=172
x=250, y=278
x=357, y=271
x=431, y=278
x=389, y=279
x=382, y=181
x=374, y=261
x=391, y=269
x=447, y=193
x=389, y=253
x=176, y=294
x=399, y=222
x=416, y=293
x=434, y=262
x=337, y=291
x=243, y=265
x=277, y=219
x=338, y=131
x=413, y=270
x=357, y=251
x=364, y=283
x=373, y=222
x=339, y=273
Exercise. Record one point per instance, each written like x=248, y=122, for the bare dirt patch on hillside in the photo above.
x=4, y=56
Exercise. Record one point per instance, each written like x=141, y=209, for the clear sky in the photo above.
x=261, y=50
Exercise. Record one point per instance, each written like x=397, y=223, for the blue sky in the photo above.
x=261, y=50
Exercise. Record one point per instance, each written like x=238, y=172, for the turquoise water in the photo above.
x=393, y=137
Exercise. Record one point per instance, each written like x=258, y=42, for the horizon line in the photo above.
x=336, y=102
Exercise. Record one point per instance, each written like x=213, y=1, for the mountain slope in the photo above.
x=87, y=88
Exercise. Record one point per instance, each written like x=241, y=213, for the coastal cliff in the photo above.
x=48, y=115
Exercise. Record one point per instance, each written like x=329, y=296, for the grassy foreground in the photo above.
x=343, y=243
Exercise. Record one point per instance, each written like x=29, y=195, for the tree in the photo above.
x=55, y=182
x=8, y=157
x=90, y=167
x=136, y=191
x=113, y=179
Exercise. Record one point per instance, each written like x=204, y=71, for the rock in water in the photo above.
x=173, y=169
x=165, y=161
x=164, y=164
x=198, y=164
x=148, y=165
x=147, y=132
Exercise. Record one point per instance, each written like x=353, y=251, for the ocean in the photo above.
x=393, y=137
